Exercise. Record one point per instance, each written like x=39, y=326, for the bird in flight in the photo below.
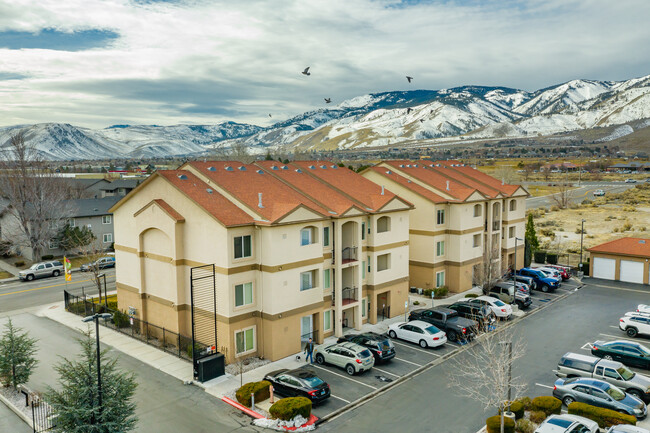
x=269, y=115
x=408, y=110
x=306, y=71
x=328, y=100
x=421, y=120
x=407, y=77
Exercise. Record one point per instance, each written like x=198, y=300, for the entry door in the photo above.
x=604, y=268
x=632, y=272
x=306, y=327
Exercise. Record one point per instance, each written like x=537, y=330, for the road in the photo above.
x=425, y=403
x=19, y=295
x=10, y=422
x=577, y=195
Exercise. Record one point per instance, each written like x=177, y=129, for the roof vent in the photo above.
x=332, y=212
x=408, y=181
x=312, y=167
x=437, y=165
x=259, y=200
x=209, y=190
x=323, y=166
x=408, y=165
x=284, y=167
x=382, y=190
x=642, y=241
x=503, y=181
x=274, y=167
x=447, y=185
x=212, y=169
x=335, y=166
x=229, y=168
x=95, y=209
x=241, y=168
x=298, y=170
x=389, y=172
x=401, y=165
x=259, y=172
x=182, y=177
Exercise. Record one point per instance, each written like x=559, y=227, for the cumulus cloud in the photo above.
x=208, y=61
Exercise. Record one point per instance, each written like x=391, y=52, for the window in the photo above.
x=326, y=236
x=107, y=238
x=440, y=279
x=511, y=231
x=440, y=216
x=478, y=210
x=243, y=294
x=440, y=248
x=308, y=236
x=383, y=262
x=368, y=261
x=364, y=307
x=242, y=246
x=106, y=219
x=476, y=240
x=327, y=320
x=611, y=373
x=307, y=280
x=71, y=222
x=53, y=244
x=363, y=230
x=513, y=205
x=363, y=269
x=326, y=279
x=383, y=224
x=245, y=340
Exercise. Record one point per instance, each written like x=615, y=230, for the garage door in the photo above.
x=632, y=272
x=604, y=268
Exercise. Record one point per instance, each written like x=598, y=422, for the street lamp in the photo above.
x=95, y=318
x=582, y=233
x=514, y=271
x=102, y=275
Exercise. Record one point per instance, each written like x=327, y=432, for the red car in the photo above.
x=564, y=271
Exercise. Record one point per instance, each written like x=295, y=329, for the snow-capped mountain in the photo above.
x=374, y=120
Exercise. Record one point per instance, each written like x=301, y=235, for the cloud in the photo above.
x=51, y=39
x=207, y=61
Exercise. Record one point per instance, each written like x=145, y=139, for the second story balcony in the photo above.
x=349, y=254
x=496, y=226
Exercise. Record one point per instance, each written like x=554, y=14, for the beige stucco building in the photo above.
x=461, y=216
x=301, y=249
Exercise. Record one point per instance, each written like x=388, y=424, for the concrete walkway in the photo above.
x=7, y=267
x=156, y=358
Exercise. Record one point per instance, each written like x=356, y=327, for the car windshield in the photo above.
x=616, y=393
x=561, y=422
x=34, y=266
x=540, y=274
x=432, y=330
x=625, y=373
x=384, y=345
x=364, y=354
x=313, y=381
x=644, y=350
x=499, y=303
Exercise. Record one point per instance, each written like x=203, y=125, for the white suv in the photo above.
x=635, y=323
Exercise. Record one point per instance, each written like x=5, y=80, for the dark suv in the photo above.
x=379, y=345
x=480, y=313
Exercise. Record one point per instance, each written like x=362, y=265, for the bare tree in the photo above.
x=546, y=172
x=237, y=151
x=562, y=198
x=490, y=269
x=484, y=372
x=505, y=173
x=36, y=198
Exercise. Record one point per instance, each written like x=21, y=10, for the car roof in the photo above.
x=593, y=382
x=623, y=342
x=350, y=345
x=419, y=323
x=581, y=357
x=369, y=335
x=441, y=310
x=301, y=373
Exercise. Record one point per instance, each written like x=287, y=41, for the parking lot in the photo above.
x=409, y=357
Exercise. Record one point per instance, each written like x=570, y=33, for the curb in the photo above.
x=244, y=409
x=17, y=411
x=14, y=279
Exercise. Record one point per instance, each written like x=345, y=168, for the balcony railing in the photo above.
x=349, y=295
x=496, y=226
x=349, y=254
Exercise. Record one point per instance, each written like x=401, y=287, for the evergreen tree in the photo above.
x=17, y=359
x=531, y=235
x=76, y=405
x=268, y=156
x=72, y=238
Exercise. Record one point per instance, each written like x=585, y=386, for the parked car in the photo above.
x=456, y=327
x=299, y=383
x=481, y=314
x=635, y=323
x=630, y=181
x=419, y=332
x=102, y=263
x=567, y=424
x=627, y=428
x=378, y=344
x=614, y=372
x=565, y=272
x=642, y=308
x=598, y=393
x=627, y=352
x=599, y=193
x=498, y=307
x=41, y=270
x=542, y=282
x=527, y=281
x=553, y=273
x=506, y=293
x=349, y=356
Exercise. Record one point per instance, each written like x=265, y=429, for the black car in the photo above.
x=379, y=345
x=483, y=315
x=627, y=352
x=299, y=383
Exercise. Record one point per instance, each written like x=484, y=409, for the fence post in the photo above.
x=146, y=326
x=33, y=419
x=163, y=342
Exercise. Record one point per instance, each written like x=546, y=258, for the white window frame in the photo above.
x=512, y=232
x=310, y=236
x=243, y=256
x=440, y=215
x=480, y=210
x=386, y=227
x=327, y=282
x=326, y=236
x=387, y=255
x=107, y=240
x=312, y=283
x=513, y=205
x=329, y=314
x=71, y=222
x=107, y=219
x=243, y=331
x=243, y=288
x=438, y=279
x=53, y=244
x=364, y=308
x=440, y=245
x=474, y=243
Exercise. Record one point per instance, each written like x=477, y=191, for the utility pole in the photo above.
x=582, y=233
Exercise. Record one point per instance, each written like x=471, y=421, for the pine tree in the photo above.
x=17, y=359
x=76, y=404
x=531, y=235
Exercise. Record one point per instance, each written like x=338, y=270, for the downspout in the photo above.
x=261, y=355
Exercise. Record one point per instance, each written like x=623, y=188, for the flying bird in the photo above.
x=407, y=77
x=421, y=120
x=328, y=100
x=270, y=115
x=306, y=71
x=408, y=110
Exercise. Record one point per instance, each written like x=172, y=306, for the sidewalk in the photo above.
x=156, y=358
x=4, y=266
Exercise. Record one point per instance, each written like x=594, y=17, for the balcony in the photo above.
x=349, y=254
x=349, y=295
x=496, y=226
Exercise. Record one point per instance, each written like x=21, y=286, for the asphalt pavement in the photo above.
x=577, y=195
x=10, y=422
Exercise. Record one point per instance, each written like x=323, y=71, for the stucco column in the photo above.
x=338, y=279
x=358, y=276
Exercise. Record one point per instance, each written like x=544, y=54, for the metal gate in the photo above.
x=203, y=293
x=42, y=417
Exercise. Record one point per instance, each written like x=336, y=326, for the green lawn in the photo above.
x=4, y=275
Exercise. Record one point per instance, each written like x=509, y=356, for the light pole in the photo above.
x=95, y=318
x=514, y=271
x=582, y=233
x=103, y=275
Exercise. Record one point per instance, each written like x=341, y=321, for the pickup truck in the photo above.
x=542, y=282
x=614, y=372
x=457, y=328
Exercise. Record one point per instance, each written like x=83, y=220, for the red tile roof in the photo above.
x=420, y=190
x=170, y=210
x=479, y=176
x=625, y=246
x=465, y=179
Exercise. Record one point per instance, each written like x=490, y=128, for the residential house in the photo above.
x=625, y=259
x=119, y=187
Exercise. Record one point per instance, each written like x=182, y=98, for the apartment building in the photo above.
x=462, y=217
x=301, y=249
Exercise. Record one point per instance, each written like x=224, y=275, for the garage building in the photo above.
x=624, y=259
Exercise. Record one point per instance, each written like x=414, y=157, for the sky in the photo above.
x=97, y=63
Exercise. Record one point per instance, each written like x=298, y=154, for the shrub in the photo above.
x=427, y=292
x=551, y=258
x=586, y=201
x=19, y=264
x=554, y=208
x=604, y=417
x=471, y=295
x=120, y=319
x=626, y=227
x=441, y=291
x=524, y=426
x=288, y=408
x=537, y=416
x=259, y=389
x=493, y=424
x=548, y=233
x=416, y=302
x=517, y=408
x=47, y=257
x=548, y=405
x=525, y=401
x=540, y=256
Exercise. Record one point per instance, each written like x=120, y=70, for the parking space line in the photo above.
x=339, y=398
x=415, y=348
x=618, y=288
x=346, y=377
x=544, y=386
x=615, y=327
x=618, y=337
x=408, y=362
x=385, y=372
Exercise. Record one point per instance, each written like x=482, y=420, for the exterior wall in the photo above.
x=618, y=258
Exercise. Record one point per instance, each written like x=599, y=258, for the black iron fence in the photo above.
x=169, y=341
x=42, y=417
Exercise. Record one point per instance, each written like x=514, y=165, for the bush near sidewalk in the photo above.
x=493, y=424
x=517, y=408
x=259, y=389
x=604, y=417
x=288, y=408
x=548, y=405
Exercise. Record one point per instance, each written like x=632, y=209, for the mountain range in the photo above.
x=399, y=118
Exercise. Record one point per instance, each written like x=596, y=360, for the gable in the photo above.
x=300, y=213
x=353, y=211
x=395, y=204
x=475, y=196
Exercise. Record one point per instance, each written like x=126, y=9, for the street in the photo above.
x=20, y=295
x=577, y=195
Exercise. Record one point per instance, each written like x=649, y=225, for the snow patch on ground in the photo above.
x=619, y=132
x=280, y=425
